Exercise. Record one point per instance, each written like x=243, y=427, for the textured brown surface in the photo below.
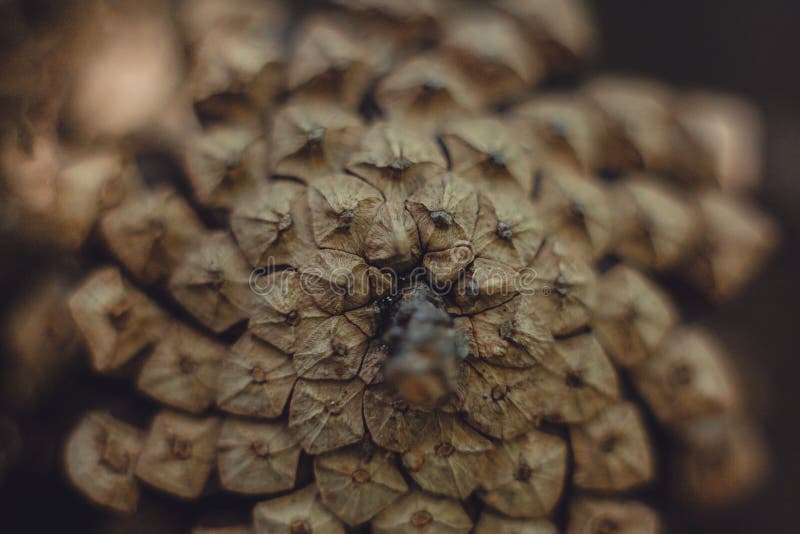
x=750, y=311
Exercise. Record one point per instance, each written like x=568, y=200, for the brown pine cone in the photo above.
x=391, y=272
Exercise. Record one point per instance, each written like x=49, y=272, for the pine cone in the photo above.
x=402, y=266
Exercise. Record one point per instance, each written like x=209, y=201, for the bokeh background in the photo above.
x=749, y=48
x=742, y=46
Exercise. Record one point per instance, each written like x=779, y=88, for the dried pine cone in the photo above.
x=412, y=288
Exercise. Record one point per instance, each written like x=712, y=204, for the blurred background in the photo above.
x=748, y=48
x=739, y=46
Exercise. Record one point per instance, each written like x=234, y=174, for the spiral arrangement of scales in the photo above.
x=404, y=257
